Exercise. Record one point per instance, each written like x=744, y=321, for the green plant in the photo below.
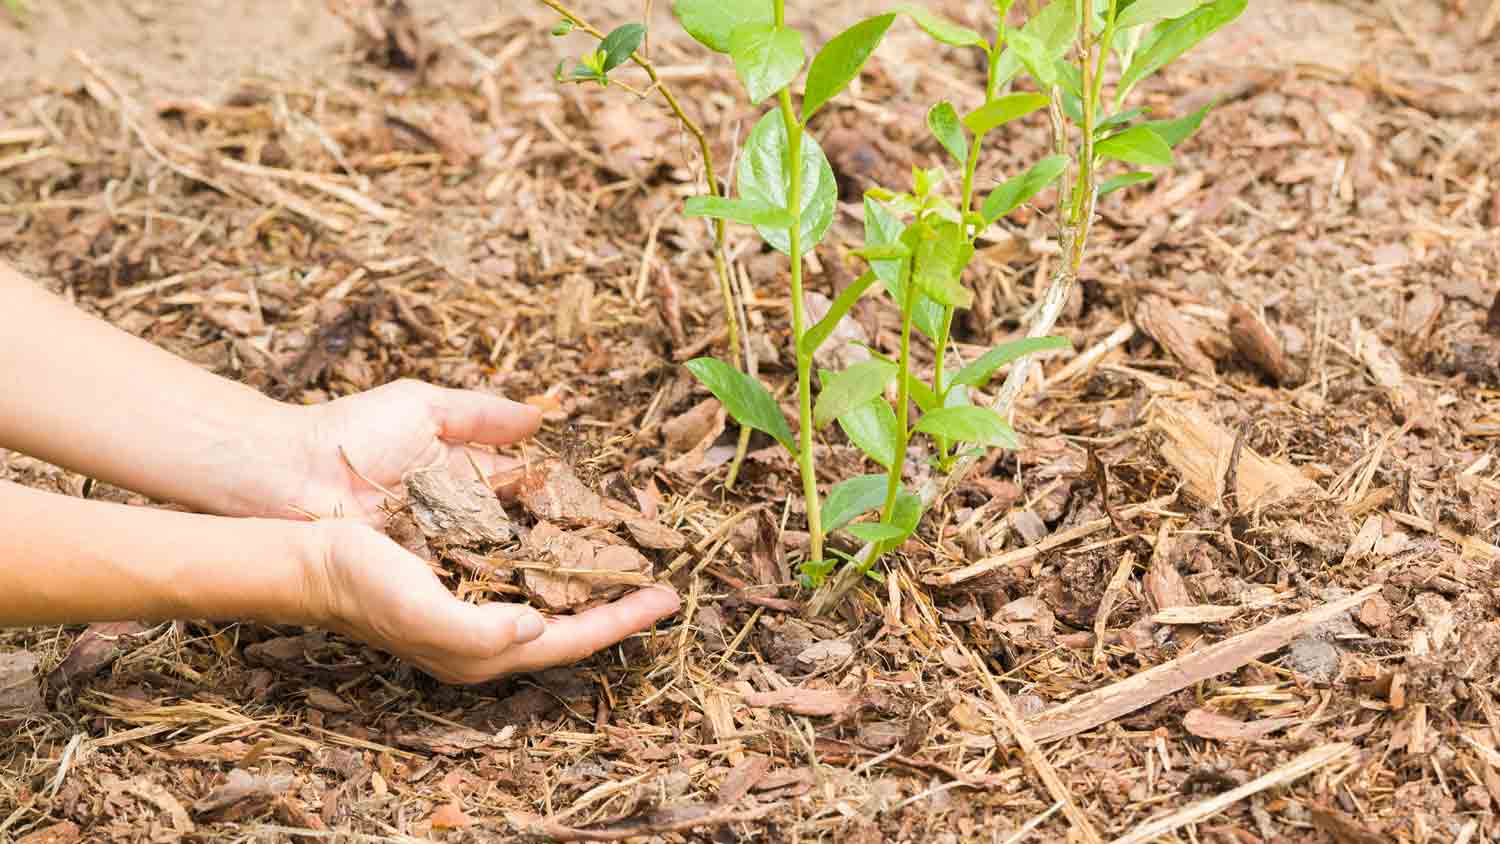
x=917, y=243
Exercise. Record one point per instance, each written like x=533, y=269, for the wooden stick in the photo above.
x=1022, y=555
x=1103, y=705
x=1034, y=755
x=1295, y=769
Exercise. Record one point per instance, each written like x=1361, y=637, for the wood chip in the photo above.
x=1199, y=450
x=809, y=702
x=1294, y=770
x=1196, y=614
x=1103, y=705
x=20, y=693
x=1182, y=337
x=1211, y=725
x=571, y=571
x=1255, y=342
x=456, y=510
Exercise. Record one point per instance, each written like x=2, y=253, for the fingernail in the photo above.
x=529, y=626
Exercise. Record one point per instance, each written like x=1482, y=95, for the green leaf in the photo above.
x=922, y=394
x=1002, y=111
x=1019, y=188
x=823, y=328
x=620, y=43
x=883, y=228
x=1054, y=27
x=850, y=499
x=943, y=29
x=836, y=65
x=979, y=372
x=1124, y=180
x=766, y=58
x=1151, y=11
x=1176, y=131
x=1178, y=37
x=1033, y=54
x=978, y=425
x=882, y=252
x=1136, y=145
x=762, y=176
x=872, y=428
x=844, y=391
x=712, y=22
x=562, y=28
x=905, y=515
x=877, y=532
x=1117, y=120
x=940, y=256
x=753, y=212
x=942, y=119
x=746, y=399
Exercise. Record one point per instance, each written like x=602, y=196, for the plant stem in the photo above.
x=721, y=269
x=903, y=400
x=799, y=318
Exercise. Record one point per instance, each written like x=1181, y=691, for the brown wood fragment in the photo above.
x=1211, y=725
x=1197, y=614
x=573, y=570
x=1103, y=705
x=1492, y=320
x=655, y=823
x=98, y=646
x=1342, y=828
x=1199, y=450
x=1174, y=332
x=1255, y=342
x=456, y=510
x=809, y=702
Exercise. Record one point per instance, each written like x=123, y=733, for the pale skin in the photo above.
x=84, y=395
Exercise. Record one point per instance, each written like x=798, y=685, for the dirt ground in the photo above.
x=1298, y=398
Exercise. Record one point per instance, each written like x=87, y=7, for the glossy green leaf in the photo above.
x=1124, y=180
x=1176, y=131
x=1136, y=145
x=746, y=399
x=980, y=371
x=766, y=58
x=840, y=60
x=872, y=427
x=1021, y=187
x=762, y=176
x=941, y=255
x=883, y=228
x=844, y=391
x=943, y=29
x=920, y=393
x=752, y=212
x=943, y=120
x=1151, y=11
x=620, y=43
x=712, y=22
x=1179, y=36
x=852, y=498
x=819, y=333
x=882, y=252
x=1003, y=110
x=877, y=532
x=978, y=425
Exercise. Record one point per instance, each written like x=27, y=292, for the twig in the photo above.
x=1103, y=705
x=1107, y=603
x=1034, y=754
x=1021, y=555
x=1293, y=770
x=1033, y=824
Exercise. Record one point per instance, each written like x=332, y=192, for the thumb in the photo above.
x=486, y=630
x=478, y=417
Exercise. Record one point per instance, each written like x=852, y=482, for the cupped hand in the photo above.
x=372, y=589
x=353, y=447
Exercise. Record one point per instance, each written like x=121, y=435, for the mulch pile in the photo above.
x=1238, y=586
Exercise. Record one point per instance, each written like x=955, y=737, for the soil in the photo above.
x=1303, y=403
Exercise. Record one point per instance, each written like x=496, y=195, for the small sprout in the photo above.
x=562, y=28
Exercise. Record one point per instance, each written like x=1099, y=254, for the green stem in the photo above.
x=966, y=204
x=805, y=431
x=903, y=400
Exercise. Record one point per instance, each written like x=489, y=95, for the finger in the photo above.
x=477, y=417
x=462, y=632
x=463, y=459
x=572, y=638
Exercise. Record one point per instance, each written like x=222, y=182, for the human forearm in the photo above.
x=82, y=394
x=63, y=560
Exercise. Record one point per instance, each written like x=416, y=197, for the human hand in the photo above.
x=370, y=588
x=348, y=446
